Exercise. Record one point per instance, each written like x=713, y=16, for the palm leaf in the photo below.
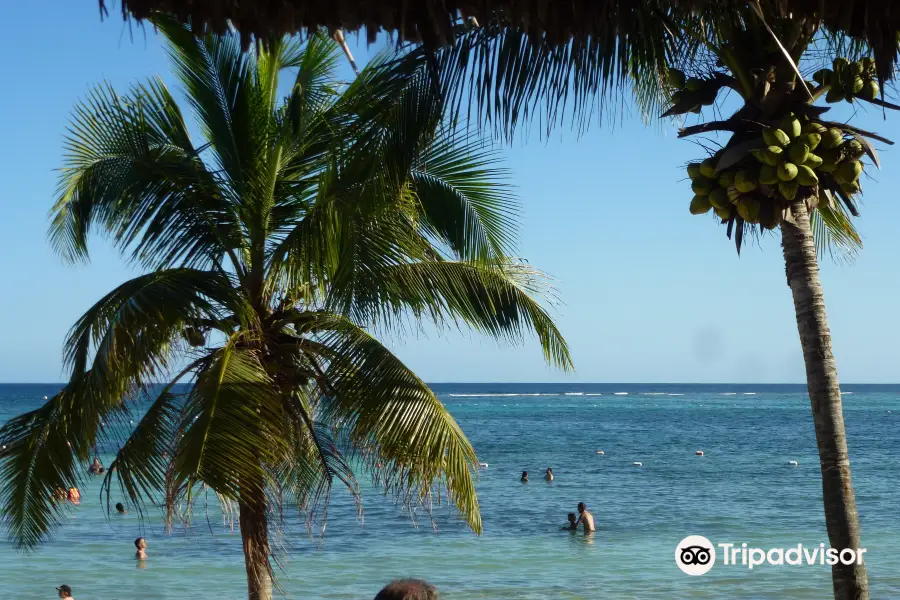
x=383, y=407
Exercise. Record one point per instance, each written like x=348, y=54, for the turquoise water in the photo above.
x=742, y=490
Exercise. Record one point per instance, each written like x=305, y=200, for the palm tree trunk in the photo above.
x=841, y=518
x=255, y=536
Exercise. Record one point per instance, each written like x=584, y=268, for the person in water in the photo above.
x=524, y=477
x=120, y=508
x=96, y=467
x=141, y=545
x=571, y=526
x=585, y=518
x=74, y=495
x=548, y=476
x=65, y=592
x=408, y=589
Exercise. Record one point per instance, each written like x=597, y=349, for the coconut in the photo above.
x=768, y=175
x=718, y=198
x=805, y=176
x=848, y=171
x=700, y=205
x=798, y=152
x=748, y=208
x=708, y=167
x=870, y=90
x=702, y=186
x=791, y=126
x=775, y=137
x=833, y=138
x=813, y=161
x=787, y=171
x=788, y=189
x=745, y=181
x=812, y=140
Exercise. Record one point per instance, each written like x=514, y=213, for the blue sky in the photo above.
x=650, y=293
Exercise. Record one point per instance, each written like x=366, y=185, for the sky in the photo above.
x=649, y=293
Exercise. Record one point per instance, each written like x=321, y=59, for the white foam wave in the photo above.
x=653, y=393
x=749, y=393
x=574, y=394
x=729, y=394
x=593, y=394
x=674, y=394
x=845, y=393
x=620, y=393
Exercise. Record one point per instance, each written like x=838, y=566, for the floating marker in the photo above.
x=600, y=452
x=699, y=452
x=483, y=465
x=638, y=464
x=793, y=463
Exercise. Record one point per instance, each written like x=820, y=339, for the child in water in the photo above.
x=571, y=526
x=141, y=545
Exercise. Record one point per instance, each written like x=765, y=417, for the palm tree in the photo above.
x=504, y=76
x=273, y=251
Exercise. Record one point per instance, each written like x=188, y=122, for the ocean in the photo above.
x=742, y=490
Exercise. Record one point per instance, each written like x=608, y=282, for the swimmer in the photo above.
x=585, y=518
x=548, y=476
x=74, y=495
x=96, y=467
x=141, y=545
x=524, y=477
x=571, y=524
x=408, y=589
x=65, y=592
x=120, y=508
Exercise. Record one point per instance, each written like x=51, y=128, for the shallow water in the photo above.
x=742, y=490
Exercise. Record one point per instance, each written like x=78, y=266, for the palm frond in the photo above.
x=232, y=427
x=393, y=418
x=498, y=301
x=466, y=202
x=132, y=172
x=834, y=232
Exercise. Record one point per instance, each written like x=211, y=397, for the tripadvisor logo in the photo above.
x=696, y=555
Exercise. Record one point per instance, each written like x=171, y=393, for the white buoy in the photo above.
x=793, y=463
x=699, y=452
x=483, y=465
x=600, y=452
x=45, y=397
x=638, y=464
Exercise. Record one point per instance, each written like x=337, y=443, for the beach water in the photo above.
x=741, y=490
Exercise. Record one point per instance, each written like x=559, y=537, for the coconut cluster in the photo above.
x=848, y=80
x=693, y=92
x=785, y=162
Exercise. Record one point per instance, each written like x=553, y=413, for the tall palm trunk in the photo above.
x=841, y=518
x=255, y=536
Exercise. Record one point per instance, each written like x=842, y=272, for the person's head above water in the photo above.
x=408, y=589
x=581, y=507
x=64, y=591
x=524, y=474
x=120, y=507
x=571, y=517
x=549, y=470
x=140, y=543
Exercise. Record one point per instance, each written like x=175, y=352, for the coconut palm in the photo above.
x=274, y=251
x=676, y=58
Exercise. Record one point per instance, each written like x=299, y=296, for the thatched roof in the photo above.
x=877, y=22
x=431, y=20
